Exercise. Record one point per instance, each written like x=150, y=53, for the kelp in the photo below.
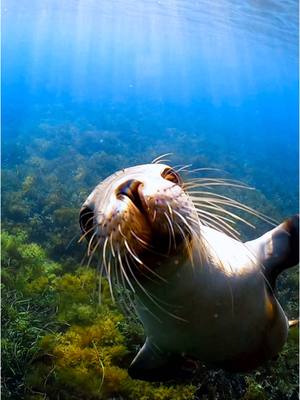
x=56, y=338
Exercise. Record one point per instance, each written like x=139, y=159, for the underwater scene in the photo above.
x=92, y=87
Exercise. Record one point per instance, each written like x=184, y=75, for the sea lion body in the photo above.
x=231, y=314
x=199, y=293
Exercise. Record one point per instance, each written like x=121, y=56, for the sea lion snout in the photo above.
x=136, y=208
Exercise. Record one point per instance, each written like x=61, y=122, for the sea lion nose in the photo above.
x=130, y=189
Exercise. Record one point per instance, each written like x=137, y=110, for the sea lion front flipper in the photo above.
x=278, y=249
x=152, y=364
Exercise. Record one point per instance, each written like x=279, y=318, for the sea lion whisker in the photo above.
x=220, y=227
x=169, y=237
x=151, y=298
x=152, y=272
x=170, y=210
x=132, y=253
x=217, y=224
x=140, y=262
x=192, y=171
x=155, y=274
x=119, y=285
x=183, y=168
x=72, y=240
x=242, y=208
x=163, y=161
x=207, y=203
x=104, y=255
x=158, y=160
x=213, y=217
x=214, y=206
x=109, y=278
x=154, y=215
x=217, y=210
x=100, y=274
x=120, y=230
x=143, y=290
x=197, y=237
x=142, y=272
x=210, y=179
x=145, y=244
x=111, y=244
x=227, y=200
x=126, y=298
x=93, y=252
x=210, y=184
x=90, y=243
x=86, y=233
x=124, y=272
x=135, y=277
x=171, y=228
x=187, y=224
x=188, y=244
x=164, y=280
x=195, y=234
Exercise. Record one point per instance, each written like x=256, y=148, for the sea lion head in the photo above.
x=140, y=207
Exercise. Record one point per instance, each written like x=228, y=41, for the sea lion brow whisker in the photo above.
x=179, y=168
x=192, y=171
x=158, y=159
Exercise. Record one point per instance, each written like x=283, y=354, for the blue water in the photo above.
x=216, y=83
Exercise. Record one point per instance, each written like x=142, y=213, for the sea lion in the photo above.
x=200, y=293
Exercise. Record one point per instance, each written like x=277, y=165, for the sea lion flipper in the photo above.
x=151, y=364
x=278, y=249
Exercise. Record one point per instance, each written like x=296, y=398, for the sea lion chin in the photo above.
x=200, y=293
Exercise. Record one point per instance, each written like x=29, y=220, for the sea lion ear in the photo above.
x=278, y=249
x=151, y=364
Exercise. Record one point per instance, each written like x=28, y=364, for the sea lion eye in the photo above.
x=170, y=175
